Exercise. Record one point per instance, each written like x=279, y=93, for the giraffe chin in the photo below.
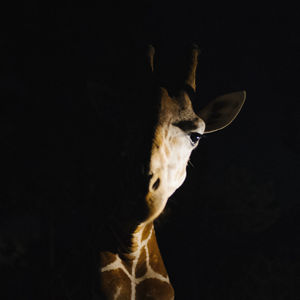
x=156, y=204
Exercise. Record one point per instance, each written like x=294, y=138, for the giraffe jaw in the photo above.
x=156, y=205
x=157, y=200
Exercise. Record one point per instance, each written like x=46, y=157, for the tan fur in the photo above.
x=141, y=273
x=113, y=280
x=153, y=289
x=141, y=267
x=145, y=280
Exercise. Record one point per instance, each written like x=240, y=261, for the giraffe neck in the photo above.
x=138, y=274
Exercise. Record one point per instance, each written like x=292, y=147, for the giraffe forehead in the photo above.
x=175, y=109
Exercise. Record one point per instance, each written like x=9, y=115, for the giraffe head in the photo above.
x=177, y=132
x=163, y=139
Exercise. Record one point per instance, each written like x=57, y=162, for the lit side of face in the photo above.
x=176, y=136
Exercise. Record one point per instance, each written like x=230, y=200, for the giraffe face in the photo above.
x=163, y=141
x=176, y=136
x=166, y=138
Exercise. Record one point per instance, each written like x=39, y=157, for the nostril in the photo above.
x=156, y=184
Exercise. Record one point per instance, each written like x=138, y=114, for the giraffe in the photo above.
x=134, y=269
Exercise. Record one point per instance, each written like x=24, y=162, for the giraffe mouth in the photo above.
x=156, y=203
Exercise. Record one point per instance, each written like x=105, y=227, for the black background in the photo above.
x=232, y=230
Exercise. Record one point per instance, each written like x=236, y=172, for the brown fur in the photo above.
x=153, y=289
x=141, y=267
x=155, y=260
x=171, y=149
x=111, y=280
x=106, y=258
x=149, y=288
x=146, y=231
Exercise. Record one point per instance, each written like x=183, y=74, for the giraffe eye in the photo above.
x=195, y=137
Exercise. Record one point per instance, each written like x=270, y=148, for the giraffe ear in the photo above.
x=220, y=112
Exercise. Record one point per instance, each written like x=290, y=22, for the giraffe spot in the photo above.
x=127, y=264
x=115, y=282
x=154, y=289
x=146, y=231
x=155, y=259
x=106, y=258
x=141, y=267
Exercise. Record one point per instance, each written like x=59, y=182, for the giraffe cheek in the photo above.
x=182, y=176
x=176, y=176
x=179, y=179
